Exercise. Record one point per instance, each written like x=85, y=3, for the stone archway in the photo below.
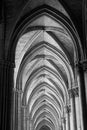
x=45, y=84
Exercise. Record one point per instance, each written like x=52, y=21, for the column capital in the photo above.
x=73, y=92
x=81, y=65
x=68, y=108
x=24, y=106
x=17, y=90
x=76, y=91
x=84, y=64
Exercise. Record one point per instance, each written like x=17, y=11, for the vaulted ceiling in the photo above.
x=44, y=71
x=11, y=10
x=74, y=7
x=44, y=59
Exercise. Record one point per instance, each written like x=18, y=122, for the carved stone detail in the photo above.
x=74, y=92
x=84, y=65
x=81, y=65
x=17, y=90
x=68, y=109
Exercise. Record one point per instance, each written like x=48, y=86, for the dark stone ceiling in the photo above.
x=73, y=7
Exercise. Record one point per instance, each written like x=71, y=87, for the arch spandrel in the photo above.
x=32, y=4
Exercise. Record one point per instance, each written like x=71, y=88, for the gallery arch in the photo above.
x=47, y=87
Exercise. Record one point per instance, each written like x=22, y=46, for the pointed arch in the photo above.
x=43, y=46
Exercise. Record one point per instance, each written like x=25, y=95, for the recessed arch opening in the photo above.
x=44, y=57
x=44, y=128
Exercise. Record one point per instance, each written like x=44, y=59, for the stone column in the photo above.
x=18, y=110
x=71, y=128
x=63, y=123
x=73, y=110
x=24, y=118
x=67, y=117
x=77, y=104
x=85, y=77
x=6, y=94
x=82, y=94
x=28, y=124
x=84, y=65
x=13, y=110
x=31, y=124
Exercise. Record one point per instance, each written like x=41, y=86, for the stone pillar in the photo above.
x=67, y=117
x=71, y=128
x=82, y=94
x=84, y=65
x=13, y=110
x=77, y=104
x=6, y=94
x=18, y=110
x=73, y=110
x=24, y=118
x=85, y=77
x=63, y=123
x=28, y=124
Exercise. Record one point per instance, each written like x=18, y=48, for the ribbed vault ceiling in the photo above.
x=43, y=72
